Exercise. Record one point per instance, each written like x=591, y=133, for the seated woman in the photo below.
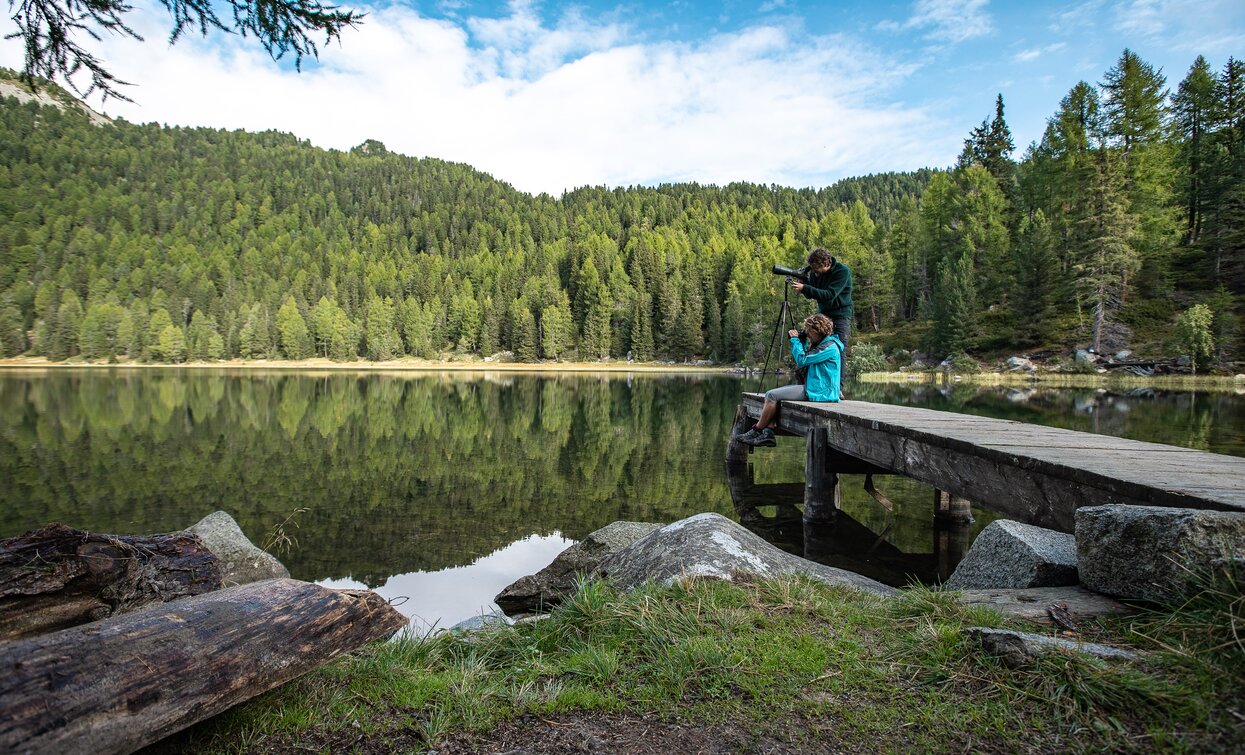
x=823, y=360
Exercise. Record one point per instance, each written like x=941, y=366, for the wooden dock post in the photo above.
x=736, y=452
x=821, y=484
x=951, y=510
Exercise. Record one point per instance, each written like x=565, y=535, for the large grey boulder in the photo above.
x=1016, y=364
x=547, y=587
x=1016, y=555
x=710, y=545
x=1152, y=553
x=1015, y=649
x=240, y=561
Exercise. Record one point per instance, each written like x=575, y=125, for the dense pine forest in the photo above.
x=1123, y=227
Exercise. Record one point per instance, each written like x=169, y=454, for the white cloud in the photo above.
x=548, y=108
x=1025, y=56
x=947, y=20
x=1212, y=27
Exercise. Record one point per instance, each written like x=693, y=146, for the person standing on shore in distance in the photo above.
x=830, y=284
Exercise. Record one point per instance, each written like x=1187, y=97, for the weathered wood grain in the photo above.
x=1037, y=474
x=116, y=685
x=57, y=576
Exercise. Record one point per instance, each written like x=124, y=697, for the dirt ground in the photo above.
x=616, y=733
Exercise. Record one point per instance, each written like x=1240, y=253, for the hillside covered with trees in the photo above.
x=1123, y=226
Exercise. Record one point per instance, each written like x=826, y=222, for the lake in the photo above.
x=442, y=488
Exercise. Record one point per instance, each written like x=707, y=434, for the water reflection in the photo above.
x=441, y=599
x=861, y=536
x=413, y=480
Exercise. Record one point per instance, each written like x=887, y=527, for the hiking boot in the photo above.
x=749, y=436
x=763, y=438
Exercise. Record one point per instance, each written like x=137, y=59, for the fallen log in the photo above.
x=56, y=577
x=115, y=685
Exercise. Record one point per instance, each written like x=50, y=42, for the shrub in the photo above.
x=963, y=364
x=866, y=357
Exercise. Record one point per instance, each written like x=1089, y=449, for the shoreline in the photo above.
x=1223, y=383
x=394, y=365
x=1218, y=383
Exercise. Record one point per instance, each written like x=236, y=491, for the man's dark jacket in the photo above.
x=832, y=290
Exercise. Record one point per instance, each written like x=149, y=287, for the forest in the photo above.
x=1123, y=227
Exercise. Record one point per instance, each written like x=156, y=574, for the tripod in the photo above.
x=785, y=318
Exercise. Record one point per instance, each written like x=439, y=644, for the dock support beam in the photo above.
x=736, y=452
x=821, y=484
x=951, y=510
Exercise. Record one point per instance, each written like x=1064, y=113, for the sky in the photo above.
x=552, y=96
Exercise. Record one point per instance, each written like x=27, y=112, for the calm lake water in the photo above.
x=443, y=488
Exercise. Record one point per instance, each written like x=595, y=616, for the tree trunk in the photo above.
x=116, y=685
x=58, y=577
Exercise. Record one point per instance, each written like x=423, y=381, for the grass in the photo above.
x=758, y=656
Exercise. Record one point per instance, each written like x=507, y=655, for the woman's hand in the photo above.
x=793, y=333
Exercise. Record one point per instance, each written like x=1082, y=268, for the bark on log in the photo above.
x=57, y=577
x=116, y=685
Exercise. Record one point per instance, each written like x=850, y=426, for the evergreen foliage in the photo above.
x=262, y=246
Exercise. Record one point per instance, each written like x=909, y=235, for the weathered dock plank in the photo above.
x=1034, y=473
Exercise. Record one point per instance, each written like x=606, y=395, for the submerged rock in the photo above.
x=1016, y=555
x=1155, y=553
x=547, y=587
x=710, y=545
x=240, y=561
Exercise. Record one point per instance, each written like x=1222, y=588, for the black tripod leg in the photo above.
x=784, y=312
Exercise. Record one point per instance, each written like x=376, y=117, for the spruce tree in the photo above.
x=1193, y=111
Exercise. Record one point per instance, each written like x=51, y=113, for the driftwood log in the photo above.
x=116, y=685
x=57, y=577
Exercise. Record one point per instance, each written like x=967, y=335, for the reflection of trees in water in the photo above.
x=400, y=473
x=412, y=472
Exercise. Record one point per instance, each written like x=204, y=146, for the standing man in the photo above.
x=830, y=284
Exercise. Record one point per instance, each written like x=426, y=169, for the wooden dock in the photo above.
x=1035, y=474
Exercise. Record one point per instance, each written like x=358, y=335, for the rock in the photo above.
x=1153, y=553
x=1016, y=555
x=483, y=621
x=1034, y=603
x=710, y=545
x=1122, y=356
x=1015, y=649
x=1184, y=361
x=240, y=561
x=1085, y=355
x=1015, y=364
x=547, y=587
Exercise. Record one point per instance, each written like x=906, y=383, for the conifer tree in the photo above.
x=68, y=327
x=380, y=330
x=954, y=304
x=1193, y=110
x=524, y=324
x=733, y=324
x=557, y=331
x=12, y=333
x=1035, y=272
x=295, y=339
x=642, y=347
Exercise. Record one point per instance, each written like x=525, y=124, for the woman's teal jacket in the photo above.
x=824, y=362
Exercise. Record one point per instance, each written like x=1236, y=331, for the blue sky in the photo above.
x=550, y=96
